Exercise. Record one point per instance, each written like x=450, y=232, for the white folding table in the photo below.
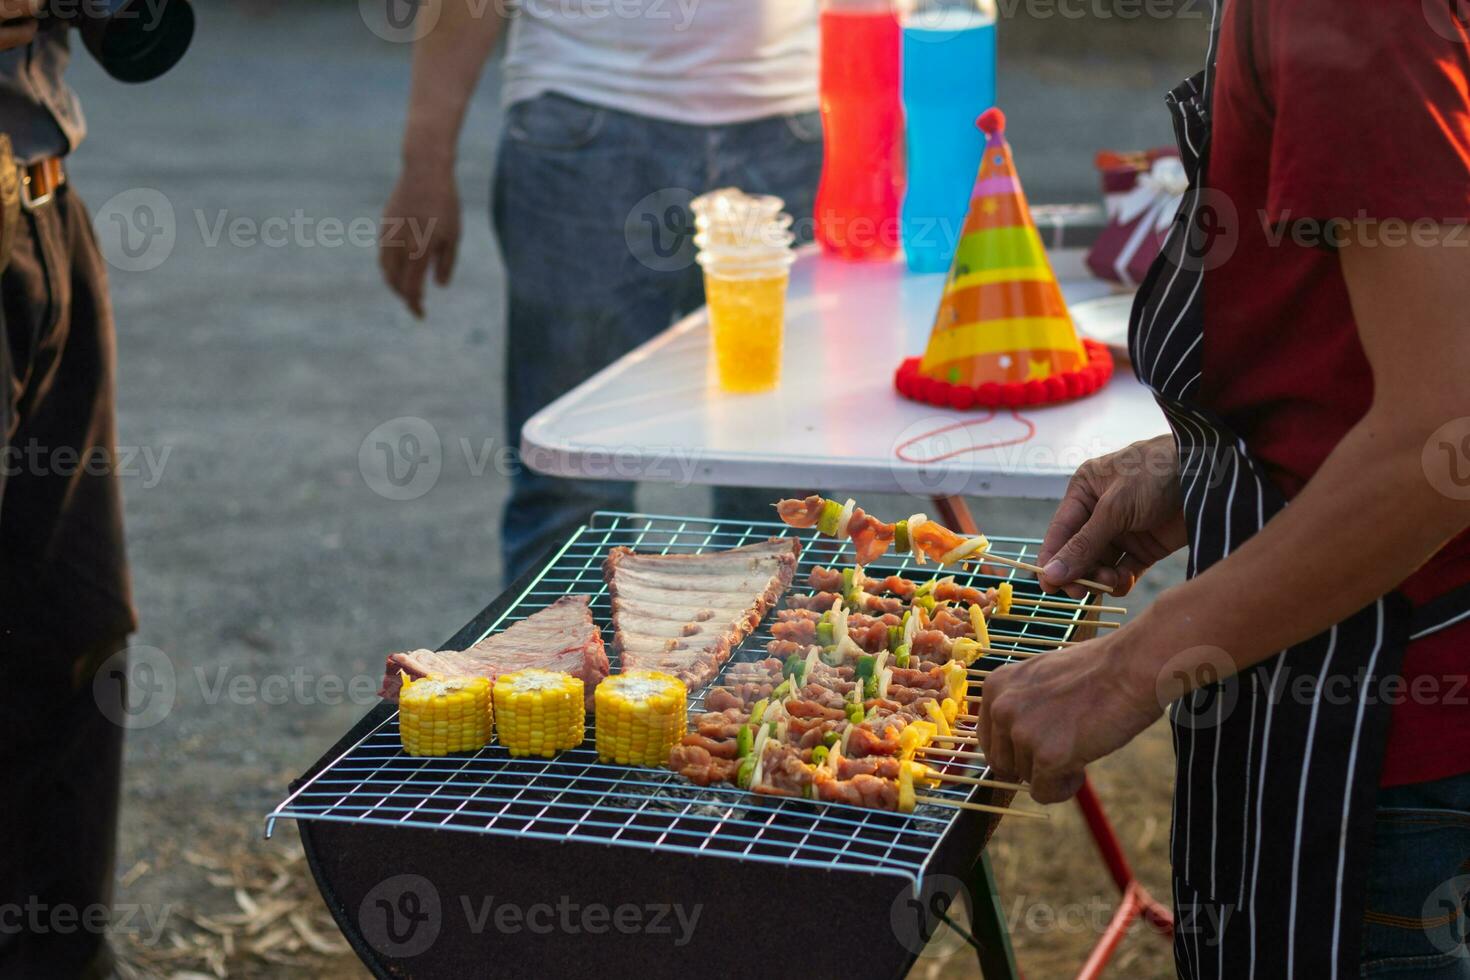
x=836, y=422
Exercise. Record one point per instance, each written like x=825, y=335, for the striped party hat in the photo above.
x=1003, y=331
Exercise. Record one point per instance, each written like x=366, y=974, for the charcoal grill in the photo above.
x=462, y=866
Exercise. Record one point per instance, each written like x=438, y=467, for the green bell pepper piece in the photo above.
x=901, y=656
x=901, y=536
x=745, y=741
x=819, y=755
x=759, y=710
x=827, y=523
x=745, y=772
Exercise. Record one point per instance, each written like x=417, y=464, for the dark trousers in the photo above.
x=591, y=211
x=65, y=605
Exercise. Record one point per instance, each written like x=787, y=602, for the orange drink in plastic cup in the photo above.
x=745, y=291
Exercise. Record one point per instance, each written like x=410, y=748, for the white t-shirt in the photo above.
x=706, y=62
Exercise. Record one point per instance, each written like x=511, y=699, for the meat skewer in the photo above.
x=871, y=537
x=832, y=720
x=780, y=772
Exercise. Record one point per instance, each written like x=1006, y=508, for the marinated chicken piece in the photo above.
x=696, y=764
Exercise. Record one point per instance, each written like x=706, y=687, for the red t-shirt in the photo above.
x=1335, y=109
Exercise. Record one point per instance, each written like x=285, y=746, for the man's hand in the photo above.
x=1122, y=513
x=18, y=22
x=1045, y=719
x=420, y=230
x=421, y=219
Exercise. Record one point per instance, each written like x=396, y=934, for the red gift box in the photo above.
x=1141, y=195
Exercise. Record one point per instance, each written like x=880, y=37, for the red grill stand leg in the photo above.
x=955, y=513
x=1158, y=915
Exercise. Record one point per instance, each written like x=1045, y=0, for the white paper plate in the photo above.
x=1105, y=320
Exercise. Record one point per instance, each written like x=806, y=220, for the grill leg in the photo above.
x=997, y=958
x=1111, y=850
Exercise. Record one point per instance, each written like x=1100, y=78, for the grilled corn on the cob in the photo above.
x=640, y=717
x=539, y=712
x=437, y=716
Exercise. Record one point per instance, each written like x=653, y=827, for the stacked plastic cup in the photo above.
x=744, y=244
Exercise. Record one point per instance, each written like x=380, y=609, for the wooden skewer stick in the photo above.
x=983, y=807
x=977, y=781
x=1100, y=623
x=954, y=753
x=989, y=556
x=955, y=742
x=969, y=718
x=1037, y=641
x=1010, y=651
x=1058, y=604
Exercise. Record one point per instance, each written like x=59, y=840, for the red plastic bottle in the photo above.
x=862, y=120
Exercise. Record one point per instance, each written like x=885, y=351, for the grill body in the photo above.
x=483, y=865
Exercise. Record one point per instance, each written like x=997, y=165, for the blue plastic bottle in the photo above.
x=948, y=80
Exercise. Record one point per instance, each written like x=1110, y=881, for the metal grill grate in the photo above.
x=573, y=797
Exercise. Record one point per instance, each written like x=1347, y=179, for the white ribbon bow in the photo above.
x=1155, y=199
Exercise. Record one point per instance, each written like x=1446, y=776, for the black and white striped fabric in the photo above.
x=1277, y=767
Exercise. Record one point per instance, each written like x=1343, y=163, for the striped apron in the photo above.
x=1278, y=766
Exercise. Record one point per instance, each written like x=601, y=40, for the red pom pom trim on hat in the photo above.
x=1058, y=388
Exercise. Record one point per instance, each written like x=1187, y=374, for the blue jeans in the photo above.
x=590, y=206
x=1418, y=882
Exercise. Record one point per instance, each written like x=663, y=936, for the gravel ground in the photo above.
x=253, y=367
